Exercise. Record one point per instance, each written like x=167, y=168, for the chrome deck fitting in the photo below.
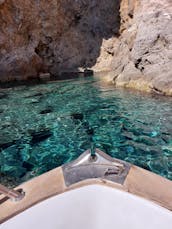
x=100, y=166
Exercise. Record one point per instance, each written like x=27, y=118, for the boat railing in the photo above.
x=11, y=193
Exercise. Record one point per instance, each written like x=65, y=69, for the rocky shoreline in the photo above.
x=144, y=55
x=131, y=40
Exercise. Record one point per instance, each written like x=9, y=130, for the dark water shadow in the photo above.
x=80, y=44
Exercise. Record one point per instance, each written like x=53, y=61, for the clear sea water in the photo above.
x=47, y=125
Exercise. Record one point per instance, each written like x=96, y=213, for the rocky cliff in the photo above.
x=132, y=39
x=53, y=35
x=143, y=53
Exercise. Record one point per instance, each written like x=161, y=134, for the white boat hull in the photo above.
x=93, y=207
x=92, y=192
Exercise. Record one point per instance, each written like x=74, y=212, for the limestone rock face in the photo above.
x=54, y=36
x=132, y=39
x=143, y=56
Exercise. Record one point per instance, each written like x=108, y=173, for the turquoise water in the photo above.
x=47, y=125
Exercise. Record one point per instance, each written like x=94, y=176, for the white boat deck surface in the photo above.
x=93, y=207
x=154, y=190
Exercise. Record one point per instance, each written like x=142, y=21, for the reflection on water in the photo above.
x=46, y=125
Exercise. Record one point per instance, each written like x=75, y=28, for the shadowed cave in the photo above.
x=54, y=36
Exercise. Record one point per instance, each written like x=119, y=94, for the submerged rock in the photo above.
x=77, y=116
x=3, y=95
x=49, y=109
x=38, y=136
x=28, y=166
x=35, y=94
x=6, y=141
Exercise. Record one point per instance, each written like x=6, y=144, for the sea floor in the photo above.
x=44, y=126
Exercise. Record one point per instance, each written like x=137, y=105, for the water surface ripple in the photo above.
x=47, y=125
